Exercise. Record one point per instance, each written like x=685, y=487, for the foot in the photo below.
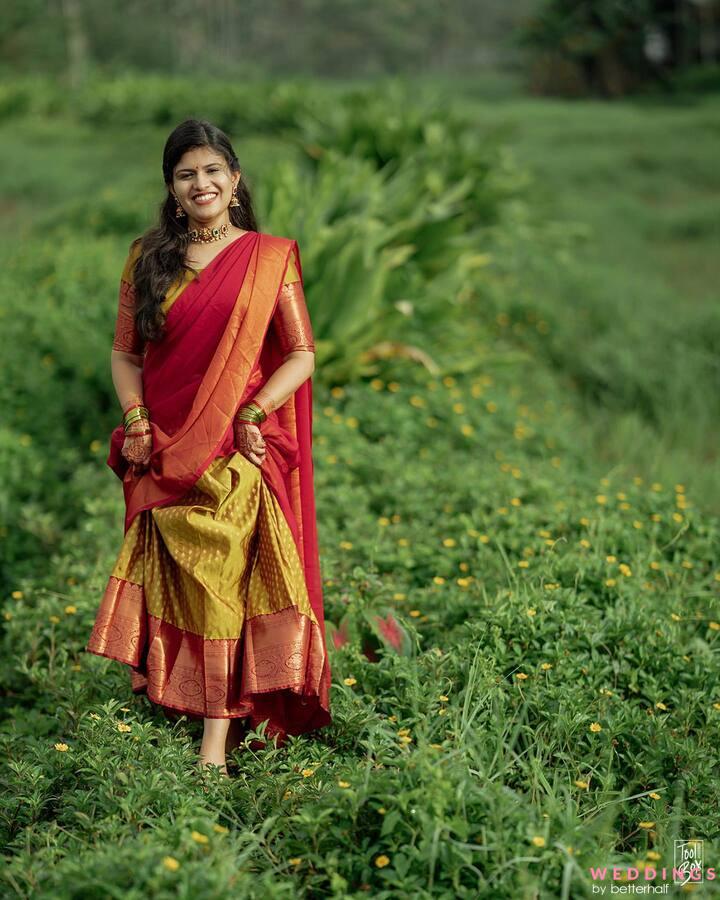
x=205, y=763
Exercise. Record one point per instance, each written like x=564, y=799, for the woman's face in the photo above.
x=203, y=184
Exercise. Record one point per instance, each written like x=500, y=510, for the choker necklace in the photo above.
x=207, y=235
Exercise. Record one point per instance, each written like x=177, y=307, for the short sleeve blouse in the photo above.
x=291, y=320
x=127, y=338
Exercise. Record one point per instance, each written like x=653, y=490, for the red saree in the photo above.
x=225, y=632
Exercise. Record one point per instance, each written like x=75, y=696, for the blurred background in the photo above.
x=508, y=215
x=533, y=183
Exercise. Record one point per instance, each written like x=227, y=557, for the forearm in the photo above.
x=127, y=378
x=285, y=380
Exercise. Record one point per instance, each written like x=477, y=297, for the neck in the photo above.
x=222, y=219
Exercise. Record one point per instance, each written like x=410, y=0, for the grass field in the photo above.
x=543, y=523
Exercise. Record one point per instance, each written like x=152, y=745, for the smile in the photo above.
x=204, y=198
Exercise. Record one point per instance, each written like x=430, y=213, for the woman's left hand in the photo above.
x=249, y=441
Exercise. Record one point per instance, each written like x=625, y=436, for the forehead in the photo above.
x=198, y=157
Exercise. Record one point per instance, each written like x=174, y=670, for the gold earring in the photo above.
x=179, y=211
x=234, y=201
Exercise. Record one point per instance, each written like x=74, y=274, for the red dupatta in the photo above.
x=218, y=350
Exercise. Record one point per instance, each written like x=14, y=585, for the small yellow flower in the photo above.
x=715, y=626
x=171, y=863
x=393, y=386
x=675, y=617
x=655, y=565
x=377, y=384
x=350, y=681
x=17, y=595
x=601, y=498
x=403, y=542
x=442, y=711
x=449, y=542
x=625, y=569
x=611, y=558
x=70, y=610
x=660, y=706
x=583, y=785
x=538, y=841
x=531, y=612
x=654, y=796
x=307, y=773
x=443, y=698
x=94, y=715
x=383, y=520
x=346, y=545
x=646, y=825
x=61, y=747
x=585, y=543
x=295, y=860
x=484, y=539
x=584, y=521
x=381, y=860
x=403, y=731
x=405, y=739
x=343, y=784
x=521, y=676
x=54, y=619
x=523, y=564
x=653, y=855
x=595, y=727
x=516, y=501
x=121, y=726
x=199, y=837
x=438, y=579
x=415, y=613
x=399, y=596
x=381, y=810
x=716, y=705
x=491, y=407
x=220, y=829
x=546, y=666
x=677, y=517
x=287, y=795
x=610, y=582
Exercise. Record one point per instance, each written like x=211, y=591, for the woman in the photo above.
x=215, y=600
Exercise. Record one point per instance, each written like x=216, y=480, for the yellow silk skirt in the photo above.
x=207, y=601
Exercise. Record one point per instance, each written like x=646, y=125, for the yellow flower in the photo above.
x=220, y=829
x=121, y=726
x=611, y=558
x=595, y=727
x=94, y=715
x=403, y=542
x=677, y=517
x=171, y=863
x=601, y=498
x=655, y=486
x=449, y=542
x=307, y=773
x=654, y=796
x=653, y=855
x=585, y=543
x=377, y=384
x=414, y=613
x=199, y=837
x=521, y=676
x=516, y=501
x=538, y=841
x=646, y=825
x=61, y=747
x=438, y=579
x=491, y=407
x=660, y=706
x=295, y=860
x=70, y=610
x=716, y=705
x=546, y=666
x=484, y=539
x=442, y=711
x=343, y=784
x=346, y=545
x=17, y=595
x=584, y=521
x=625, y=569
x=54, y=619
x=443, y=698
x=383, y=520
x=531, y=612
x=675, y=617
x=350, y=680
x=287, y=795
x=381, y=860
x=381, y=810
x=715, y=626
x=393, y=386
x=399, y=596
x=405, y=739
x=523, y=564
x=655, y=565
x=583, y=785
x=610, y=582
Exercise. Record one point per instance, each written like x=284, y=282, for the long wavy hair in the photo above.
x=161, y=262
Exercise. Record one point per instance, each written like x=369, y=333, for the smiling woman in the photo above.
x=215, y=599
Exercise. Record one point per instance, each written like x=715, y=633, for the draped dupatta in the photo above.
x=219, y=348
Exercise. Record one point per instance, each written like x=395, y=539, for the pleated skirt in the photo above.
x=207, y=601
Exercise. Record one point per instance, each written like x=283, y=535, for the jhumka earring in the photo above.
x=179, y=211
x=234, y=201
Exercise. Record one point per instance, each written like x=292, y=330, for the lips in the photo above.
x=207, y=197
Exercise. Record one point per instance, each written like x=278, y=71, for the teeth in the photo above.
x=205, y=196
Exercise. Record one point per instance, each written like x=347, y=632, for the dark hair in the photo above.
x=161, y=262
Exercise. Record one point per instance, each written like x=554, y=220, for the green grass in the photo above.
x=542, y=521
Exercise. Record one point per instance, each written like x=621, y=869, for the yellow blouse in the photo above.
x=291, y=320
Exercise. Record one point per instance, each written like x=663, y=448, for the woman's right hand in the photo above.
x=137, y=446
x=249, y=441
